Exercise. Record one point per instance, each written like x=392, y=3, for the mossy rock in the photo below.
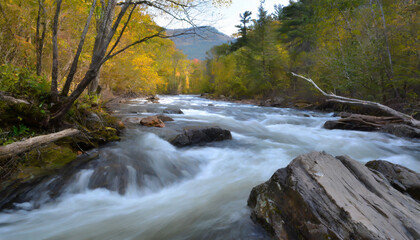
x=44, y=160
x=106, y=134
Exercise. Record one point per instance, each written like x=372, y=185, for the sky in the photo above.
x=225, y=18
x=230, y=16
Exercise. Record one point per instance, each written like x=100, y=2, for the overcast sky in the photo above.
x=225, y=19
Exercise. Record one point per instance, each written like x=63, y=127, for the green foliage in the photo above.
x=22, y=82
x=15, y=133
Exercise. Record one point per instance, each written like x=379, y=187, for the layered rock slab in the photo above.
x=318, y=196
x=401, y=178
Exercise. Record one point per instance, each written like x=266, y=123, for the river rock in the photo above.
x=318, y=196
x=152, y=121
x=401, y=178
x=164, y=118
x=173, y=111
x=200, y=136
x=401, y=130
x=153, y=99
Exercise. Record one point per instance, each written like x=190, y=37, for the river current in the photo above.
x=195, y=192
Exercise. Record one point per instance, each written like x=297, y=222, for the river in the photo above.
x=195, y=192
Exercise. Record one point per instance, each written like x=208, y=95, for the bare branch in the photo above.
x=117, y=22
x=335, y=98
x=159, y=34
x=122, y=32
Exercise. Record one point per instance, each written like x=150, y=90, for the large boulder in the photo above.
x=401, y=130
x=318, y=196
x=401, y=178
x=200, y=136
x=152, y=121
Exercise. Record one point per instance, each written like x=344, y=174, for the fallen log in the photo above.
x=374, y=120
x=407, y=119
x=17, y=148
x=9, y=99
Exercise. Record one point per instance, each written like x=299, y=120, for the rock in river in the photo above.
x=401, y=178
x=318, y=196
x=173, y=110
x=152, y=121
x=164, y=118
x=200, y=136
x=401, y=130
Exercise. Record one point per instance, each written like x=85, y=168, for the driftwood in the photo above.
x=361, y=122
x=17, y=148
x=373, y=119
x=407, y=119
x=9, y=99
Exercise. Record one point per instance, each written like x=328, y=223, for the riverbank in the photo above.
x=96, y=127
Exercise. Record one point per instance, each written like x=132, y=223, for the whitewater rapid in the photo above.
x=195, y=192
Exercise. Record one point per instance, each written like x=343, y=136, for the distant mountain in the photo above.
x=198, y=41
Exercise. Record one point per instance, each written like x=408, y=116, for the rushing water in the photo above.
x=196, y=192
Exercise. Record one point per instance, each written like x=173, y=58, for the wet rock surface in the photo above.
x=164, y=118
x=200, y=136
x=173, y=110
x=318, y=196
x=401, y=130
x=152, y=121
x=45, y=188
x=103, y=169
x=401, y=178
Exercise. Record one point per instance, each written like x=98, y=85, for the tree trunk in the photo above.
x=65, y=107
x=73, y=67
x=39, y=40
x=93, y=86
x=106, y=28
x=388, y=51
x=54, y=74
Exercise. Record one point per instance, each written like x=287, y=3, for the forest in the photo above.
x=62, y=61
x=366, y=49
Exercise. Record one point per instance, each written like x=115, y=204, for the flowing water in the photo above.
x=195, y=192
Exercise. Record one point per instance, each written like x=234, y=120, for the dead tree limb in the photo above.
x=9, y=99
x=407, y=119
x=17, y=148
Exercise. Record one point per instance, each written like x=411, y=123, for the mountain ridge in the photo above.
x=197, y=41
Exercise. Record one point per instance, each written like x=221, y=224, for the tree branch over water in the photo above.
x=335, y=98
